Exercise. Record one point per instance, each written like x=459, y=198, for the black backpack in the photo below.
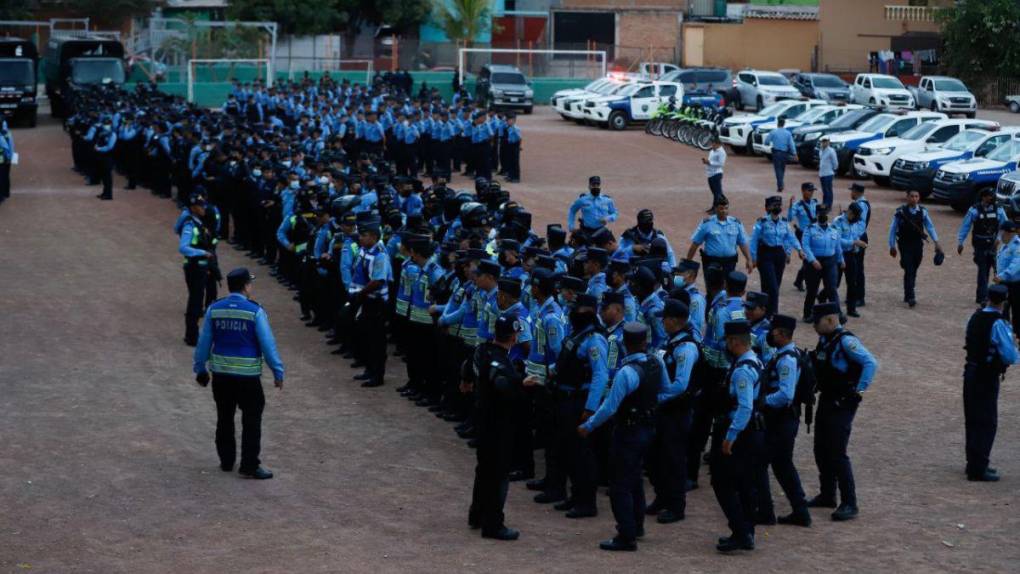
x=807, y=384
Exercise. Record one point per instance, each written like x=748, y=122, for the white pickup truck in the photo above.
x=944, y=94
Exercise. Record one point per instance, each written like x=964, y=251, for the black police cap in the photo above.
x=619, y=266
x=238, y=278
x=611, y=297
x=510, y=245
x=824, y=310
x=543, y=261
x=773, y=200
x=807, y=186
x=736, y=281
x=739, y=327
x=688, y=265
x=510, y=286
x=586, y=300
x=477, y=254
x=682, y=295
x=594, y=180
x=505, y=326
x=756, y=299
x=784, y=322
x=645, y=277
x=998, y=293
x=674, y=308
x=544, y=279
x=571, y=282
x=601, y=236
x=634, y=332
x=857, y=187
x=554, y=232
x=1007, y=226
x=600, y=256
x=488, y=267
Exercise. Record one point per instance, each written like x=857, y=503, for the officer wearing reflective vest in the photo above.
x=451, y=317
x=982, y=224
x=546, y=327
x=580, y=381
x=197, y=245
x=235, y=339
x=991, y=348
x=294, y=235
x=844, y=369
x=667, y=468
x=486, y=309
x=631, y=404
x=422, y=366
x=910, y=228
x=782, y=420
x=737, y=439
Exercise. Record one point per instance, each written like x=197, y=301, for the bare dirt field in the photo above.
x=106, y=443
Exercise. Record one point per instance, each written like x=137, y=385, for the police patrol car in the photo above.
x=635, y=103
x=737, y=131
x=1007, y=194
x=916, y=170
x=821, y=115
x=572, y=107
x=876, y=158
x=576, y=92
x=885, y=125
x=959, y=183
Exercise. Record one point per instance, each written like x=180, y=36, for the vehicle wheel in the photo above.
x=768, y=156
x=564, y=116
x=33, y=118
x=1014, y=107
x=705, y=140
x=871, y=102
x=924, y=193
x=579, y=122
x=971, y=115
x=759, y=103
x=750, y=145
x=805, y=161
x=883, y=181
x=934, y=107
x=617, y=121
x=527, y=110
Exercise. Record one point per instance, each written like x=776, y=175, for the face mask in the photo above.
x=323, y=180
x=823, y=219
x=257, y=173
x=581, y=319
x=770, y=340
x=679, y=282
x=295, y=184
x=776, y=210
x=596, y=191
x=286, y=162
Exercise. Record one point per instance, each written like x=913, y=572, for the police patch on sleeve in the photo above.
x=594, y=353
x=853, y=345
x=742, y=384
x=784, y=372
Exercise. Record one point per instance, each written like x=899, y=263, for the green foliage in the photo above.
x=110, y=12
x=16, y=9
x=299, y=17
x=204, y=42
x=981, y=39
x=462, y=20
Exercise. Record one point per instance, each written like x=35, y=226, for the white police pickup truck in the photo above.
x=960, y=183
x=821, y=115
x=737, y=131
x=635, y=103
x=572, y=107
x=885, y=125
x=916, y=171
x=575, y=92
x=875, y=159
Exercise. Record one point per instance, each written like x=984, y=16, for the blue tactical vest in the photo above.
x=235, y=346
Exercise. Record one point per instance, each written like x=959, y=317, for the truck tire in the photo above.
x=971, y=115
x=759, y=104
x=880, y=180
x=617, y=121
x=33, y=118
x=527, y=110
x=934, y=107
x=1014, y=107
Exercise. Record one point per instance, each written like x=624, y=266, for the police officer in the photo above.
x=737, y=439
x=850, y=226
x=631, y=403
x=844, y=369
x=721, y=235
x=991, y=348
x=686, y=277
x=1007, y=269
x=104, y=143
x=782, y=419
x=372, y=275
x=802, y=214
x=783, y=150
x=983, y=219
x=197, y=245
x=596, y=210
x=772, y=241
x=235, y=339
x=910, y=228
x=823, y=253
x=637, y=241
x=668, y=460
x=6, y=157
x=512, y=149
x=857, y=196
x=756, y=312
x=500, y=397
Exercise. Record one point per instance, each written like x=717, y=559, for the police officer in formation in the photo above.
x=6, y=157
x=603, y=353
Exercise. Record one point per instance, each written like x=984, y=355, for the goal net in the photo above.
x=209, y=81
x=534, y=63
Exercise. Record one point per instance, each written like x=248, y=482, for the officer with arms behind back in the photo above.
x=844, y=369
x=991, y=348
x=631, y=403
x=235, y=339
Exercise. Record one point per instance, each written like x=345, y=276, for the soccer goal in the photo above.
x=535, y=63
x=209, y=80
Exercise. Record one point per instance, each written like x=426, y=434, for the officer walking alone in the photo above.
x=910, y=228
x=235, y=339
x=783, y=150
x=714, y=164
x=991, y=348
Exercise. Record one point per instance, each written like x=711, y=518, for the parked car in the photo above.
x=702, y=79
x=885, y=125
x=875, y=159
x=881, y=90
x=592, y=86
x=820, y=115
x=72, y=62
x=916, y=170
x=737, y=131
x=943, y=94
x=572, y=107
x=635, y=104
x=19, y=62
x=960, y=183
x=806, y=137
x=655, y=70
x=757, y=89
x=1007, y=192
x=504, y=87
x=1013, y=102
x=823, y=87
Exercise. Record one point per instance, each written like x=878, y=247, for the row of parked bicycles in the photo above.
x=691, y=124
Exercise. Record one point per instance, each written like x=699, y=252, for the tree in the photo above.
x=298, y=17
x=111, y=13
x=463, y=20
x=980, y=40
x=17, y=9
x=398, y=14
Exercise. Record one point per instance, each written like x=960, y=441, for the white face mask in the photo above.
x=286, y=162
x=295, y=184
x=323, y=180
x=257, y=172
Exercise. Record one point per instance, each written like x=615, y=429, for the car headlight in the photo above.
x=883, y=150
x=497, y=92
x=529, y=93
x=923, y=164
x=812, y=136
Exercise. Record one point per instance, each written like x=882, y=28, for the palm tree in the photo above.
x=463, y=20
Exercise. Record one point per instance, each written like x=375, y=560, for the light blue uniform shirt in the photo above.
x=787, y=373
x=685, y=355
x=1003, y=342
x=743, y=385
x=781, y=140
x=697, y=309
x=803, y=213
x=267, y=344
x=773, y=233
x=968, y=222
x=593, y=210
x=1007, y=261
x=821, y=241
x=720, y=238
x=828, y=162
x=850, y=346
x=625, y=382
x=848, y=233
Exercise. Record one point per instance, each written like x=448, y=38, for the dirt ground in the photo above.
x=106, y=443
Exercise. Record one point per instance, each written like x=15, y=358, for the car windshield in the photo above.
x=878, y=123
x=773, y=110
x=828, y=82
x=963, y=140
x=611, y=88
x=920, y=131
x=509, y=78
x=593, y=86
x=628, y=89
x=97, y=71
x=886, y=83
x=773, y=81
x=16, y=72
x=850, y=119
x=950, y=85
x=1006, y=152
x=810, y=115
